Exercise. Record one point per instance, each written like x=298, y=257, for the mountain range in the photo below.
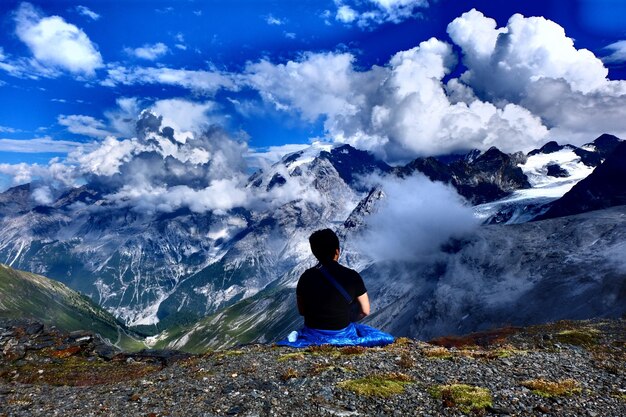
x=213, y=278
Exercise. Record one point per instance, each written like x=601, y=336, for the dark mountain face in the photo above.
x=605, y=145
x=604, y=187
x=352, y=164
x=480, y=179
x=549, y=147
x=15, y=200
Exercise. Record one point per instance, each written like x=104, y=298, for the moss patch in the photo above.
x=297, y=356
x=466, y=398
x=437, y=352
x=320, y=368
x=384, y=385
x=229, y=353
x=549, y=389
x=77, y=371
x=579, y=337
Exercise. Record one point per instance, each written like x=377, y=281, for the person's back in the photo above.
x=323, y=305
x=320, y=301
x=325, y=295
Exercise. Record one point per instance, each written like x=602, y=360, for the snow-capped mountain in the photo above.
x=551, y=171
x=166, y=267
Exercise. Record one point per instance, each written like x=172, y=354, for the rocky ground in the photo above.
x=563, y=369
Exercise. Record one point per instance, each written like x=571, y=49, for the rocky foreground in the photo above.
x=563, y=369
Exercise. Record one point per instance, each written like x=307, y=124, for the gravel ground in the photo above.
x=46, y=372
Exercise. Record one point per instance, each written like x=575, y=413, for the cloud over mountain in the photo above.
x=415, y=217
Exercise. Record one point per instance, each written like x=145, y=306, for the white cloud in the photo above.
x=346, y=14
x=122, y=119
x=180, y=39
x=84, y=125
x=399, y=111
x=107, y=158
x=532, y=63
x=316, y=85
x=375, y=12
x=6, y=129
x=40, y=145
x=43, y=195
x=413, y=219
x=185, y=117
x=221, y=195
x=55, y=172
x=524, y=83
x=503, y=62
x=85, y=11
x=56, y=44
x=206, y=82
x=265, y=157
x=148, y=52
x=619, y=52
x=274, y=21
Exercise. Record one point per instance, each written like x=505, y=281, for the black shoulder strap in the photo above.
x=333, y=281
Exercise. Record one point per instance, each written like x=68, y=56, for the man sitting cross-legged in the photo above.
x=331, y=298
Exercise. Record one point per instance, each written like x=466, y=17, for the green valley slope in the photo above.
x=24, y=295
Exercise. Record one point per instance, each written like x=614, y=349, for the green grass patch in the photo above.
x=229, y=353
x=579, y=337
x=549, y=389
x=437, y=352
x=466, y=398
x=384, y=385
x=297, y=356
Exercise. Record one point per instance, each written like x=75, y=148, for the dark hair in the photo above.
x=324, y=243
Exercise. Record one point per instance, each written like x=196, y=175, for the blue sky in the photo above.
x=277, y=73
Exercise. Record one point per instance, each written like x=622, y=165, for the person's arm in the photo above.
x=364, y=304
x=300, y=303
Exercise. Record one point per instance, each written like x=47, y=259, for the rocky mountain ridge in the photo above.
x=563, y=369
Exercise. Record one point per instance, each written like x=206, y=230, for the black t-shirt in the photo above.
x=324, y=306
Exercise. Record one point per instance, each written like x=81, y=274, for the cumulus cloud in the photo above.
x=148, y=52
x=55, y=43
x=155, y=170
x=503, y=62
x=507, y=97
x=414, y=218
x=6, y=129
x=205, y=82
x=85, y=11
x=532, y=63
x=398, y=111
x=618, y=54
x=375, y=12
